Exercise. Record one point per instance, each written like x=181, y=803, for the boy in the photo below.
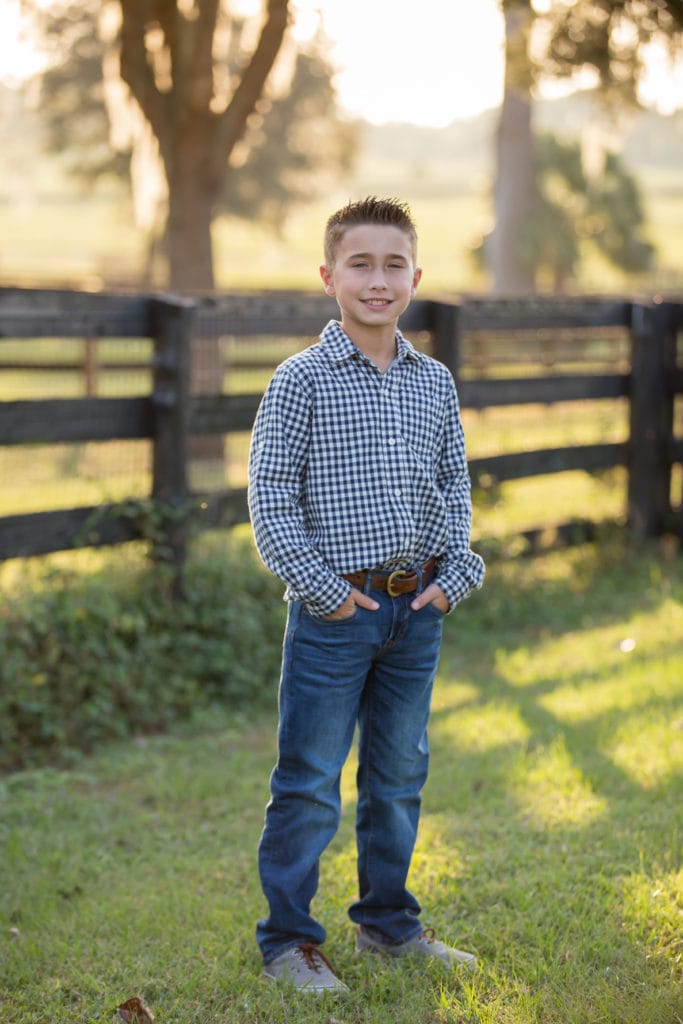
x=360, y=502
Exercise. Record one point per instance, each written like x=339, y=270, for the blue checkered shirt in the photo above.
x=351, y=469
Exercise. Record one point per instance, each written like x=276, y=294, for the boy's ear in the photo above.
x=326, y=275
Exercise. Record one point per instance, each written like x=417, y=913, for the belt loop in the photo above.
x=368, y=581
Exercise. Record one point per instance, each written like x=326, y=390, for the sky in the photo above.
x=428, y=62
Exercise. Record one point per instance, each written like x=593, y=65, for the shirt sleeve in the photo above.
x=460, y=570
x=277, y=471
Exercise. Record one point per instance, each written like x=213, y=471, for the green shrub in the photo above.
x=90, y=658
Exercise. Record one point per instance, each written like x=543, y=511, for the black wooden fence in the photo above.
x=170, y=415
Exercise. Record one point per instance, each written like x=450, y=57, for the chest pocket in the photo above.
x=422, y=427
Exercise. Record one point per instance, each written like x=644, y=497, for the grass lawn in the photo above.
x=550, y=841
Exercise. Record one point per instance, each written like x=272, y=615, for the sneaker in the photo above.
x=424, y=944
x=305, y=967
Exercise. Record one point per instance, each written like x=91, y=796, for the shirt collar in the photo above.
x=339, y=348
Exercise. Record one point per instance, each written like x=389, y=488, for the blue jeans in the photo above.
x=376, y=669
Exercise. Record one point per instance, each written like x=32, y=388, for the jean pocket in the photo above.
x=331, y=623
x=431, y=609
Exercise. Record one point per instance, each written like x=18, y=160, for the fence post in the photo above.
x=446, y=333
x=650, y=449
x=172, y=319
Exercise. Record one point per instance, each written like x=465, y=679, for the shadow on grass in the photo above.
x=560, y=867
x=567, y=864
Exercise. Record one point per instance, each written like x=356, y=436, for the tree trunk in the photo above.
x=195, y=143
x=190, y=215
x=511, y=255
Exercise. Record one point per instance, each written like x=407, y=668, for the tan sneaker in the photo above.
x=305, y=967
x=424, y=944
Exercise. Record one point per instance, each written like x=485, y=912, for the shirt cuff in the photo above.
x=459, y=580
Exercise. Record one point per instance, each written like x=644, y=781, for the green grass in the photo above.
x=80, y=239
x=550, y=840
x=45, y=477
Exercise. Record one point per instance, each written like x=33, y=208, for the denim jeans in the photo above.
x=376, y=669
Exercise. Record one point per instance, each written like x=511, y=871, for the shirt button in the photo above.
x=392, y=441
x=397, y=493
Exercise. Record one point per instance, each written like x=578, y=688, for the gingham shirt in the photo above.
x=351, y=469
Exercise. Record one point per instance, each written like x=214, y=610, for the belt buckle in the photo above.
x=397, y=574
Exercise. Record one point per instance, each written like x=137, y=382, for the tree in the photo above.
x=167, y=62
x=201, y=83
x=515, y=191
x=573, y=212
x=607, y=35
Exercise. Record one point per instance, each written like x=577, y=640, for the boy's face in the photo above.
x=374, y=276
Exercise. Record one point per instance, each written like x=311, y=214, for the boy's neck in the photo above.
x=378, y=344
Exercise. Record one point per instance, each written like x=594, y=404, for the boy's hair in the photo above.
x=368, y=211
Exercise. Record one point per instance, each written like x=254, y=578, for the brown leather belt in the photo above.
x=400, y=581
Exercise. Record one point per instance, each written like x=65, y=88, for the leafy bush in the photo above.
x=89, y=658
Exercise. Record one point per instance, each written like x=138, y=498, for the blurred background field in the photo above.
x=91, y=242
x=54, y=232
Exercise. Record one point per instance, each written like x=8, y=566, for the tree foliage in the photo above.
x=609, y=36
x=574, y=212
x=71, y=93
x=295, y=146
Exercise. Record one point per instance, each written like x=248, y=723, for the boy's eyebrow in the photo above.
x=369, y=255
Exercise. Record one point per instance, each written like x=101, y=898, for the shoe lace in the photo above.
x=313, y=956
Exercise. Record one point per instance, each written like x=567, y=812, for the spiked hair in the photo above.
x=368, y=211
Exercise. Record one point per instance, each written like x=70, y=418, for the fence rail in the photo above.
x=170, y=415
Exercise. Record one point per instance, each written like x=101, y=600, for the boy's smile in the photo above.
x=373, y=279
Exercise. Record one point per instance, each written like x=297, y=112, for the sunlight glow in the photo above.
x=396, y=63
x=649, y=753
x=430, y=66
x=18, y=58
x=481, y=728
x=550, y=790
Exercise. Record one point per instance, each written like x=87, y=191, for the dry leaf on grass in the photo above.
x=135, y=1011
